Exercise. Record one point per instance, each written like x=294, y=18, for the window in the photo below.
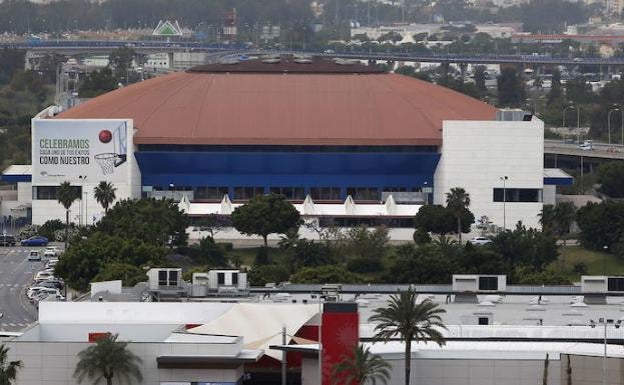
x=162, y=278
x=615, y=284
x=325, y=193
x=407, y=223
x=364, y=193
x=234, y=279
x=50, y=192
x=246, y=193
x=221, y=278
x=173, y=278
x=293, y=193
x=484, y=321
x=518, y=195
x=488, y=283
x=394, y=189
x=210, y=193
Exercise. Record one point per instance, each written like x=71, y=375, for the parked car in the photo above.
x=51, y=263
x=36, y=290
x=51, y=252
x=43, y=275
x=36, y=240
x=480, y=241
x=7, y=240
x=51, y=283
x=34, y=256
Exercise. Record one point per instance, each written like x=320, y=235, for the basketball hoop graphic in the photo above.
x=108, y=161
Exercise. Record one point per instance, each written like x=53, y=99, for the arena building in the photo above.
x=357, y=144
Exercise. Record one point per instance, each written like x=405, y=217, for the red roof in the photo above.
x=298, y=109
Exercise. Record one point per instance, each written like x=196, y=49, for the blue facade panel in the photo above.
x=287, y=169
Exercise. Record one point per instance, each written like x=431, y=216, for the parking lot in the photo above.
x=16, y=274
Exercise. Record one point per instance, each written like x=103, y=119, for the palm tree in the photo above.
x=458, y=200
x=547, y=217
x=66, y=195
x=106, y=359
x=104, y=194
x=564, y=215
x=411, y=321
x=362, y=367
x=8, y=372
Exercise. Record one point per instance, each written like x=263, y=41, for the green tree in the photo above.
x=611, y=179
x=66, y=195
x=365, y=248
x=423, y=264
x=564, y=215
x=458, y=201
x=97, y=83
x=50, y=227
x=108, y=359
x=261, y=275
x=510, y=88
x=156, y=221
x=211, y=254
x=121, y=60
x=547, y=218
x=8, y=370
x=264, y=215
x=362, y=367
x=410, y=321
x=325, y=274
x=479, y=77
x=88, y=257
x=578, y=90
x=435, y=219
x=129, y=274
x=526, y=247
x=555, y=88
x=600, y=224
x=104, y=194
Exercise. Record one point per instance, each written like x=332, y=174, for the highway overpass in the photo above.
x=74, y=47
x=600, y=151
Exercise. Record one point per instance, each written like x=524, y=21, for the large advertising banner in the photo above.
x=91, y=150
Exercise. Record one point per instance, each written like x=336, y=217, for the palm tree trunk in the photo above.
x=266, y=242
x=459, y=229
x=109, y=380
x=66, y=226
x=408, y=360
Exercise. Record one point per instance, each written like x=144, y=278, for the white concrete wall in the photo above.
x=53, y=363
x=474, y=372
x=476, y=154
x=9, y=200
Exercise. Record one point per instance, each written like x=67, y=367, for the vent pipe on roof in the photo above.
x=226, y=205
x=349, y=205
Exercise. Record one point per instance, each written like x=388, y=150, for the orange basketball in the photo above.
x=105, y=136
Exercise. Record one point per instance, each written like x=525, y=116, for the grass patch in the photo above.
x=248, y=255
x=594, y=260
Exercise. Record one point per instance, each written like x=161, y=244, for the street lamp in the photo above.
x=171, y=188
x=504, y=178
x=578, y=121
x=604, y=321
x=609, y=123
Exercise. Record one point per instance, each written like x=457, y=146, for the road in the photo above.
x=601, y=150
x=16, y=275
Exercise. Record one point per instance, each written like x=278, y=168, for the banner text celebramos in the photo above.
x=64, y=143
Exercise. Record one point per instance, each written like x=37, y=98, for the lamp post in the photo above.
x=604, y=321
x=504, y=178
x=609, y=123
x=85, y=209
x=578, y=121
x=171, y=188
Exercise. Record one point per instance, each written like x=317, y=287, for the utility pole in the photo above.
x=284, y=356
